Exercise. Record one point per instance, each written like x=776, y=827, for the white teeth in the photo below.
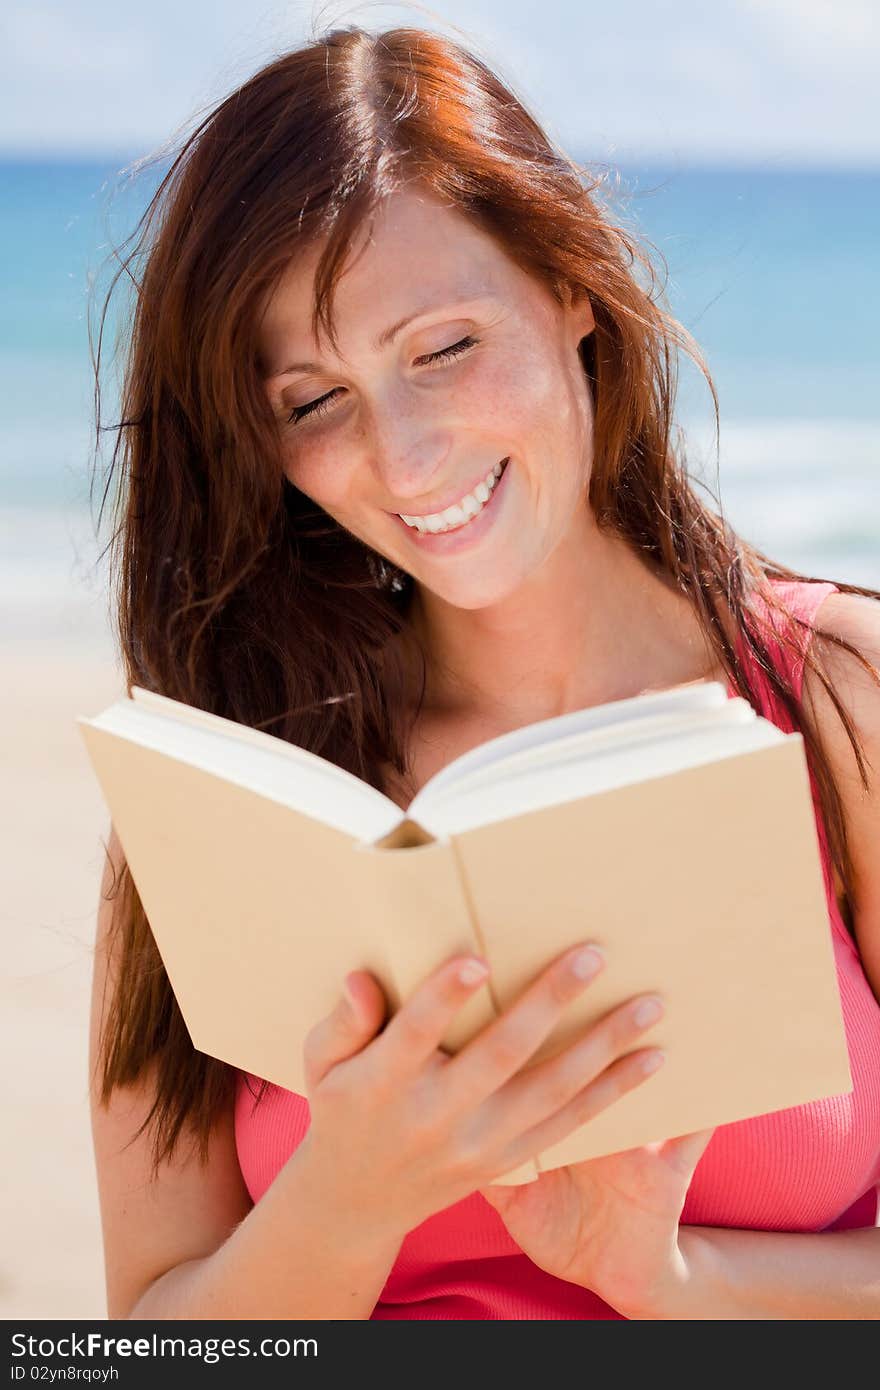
x=463, y=511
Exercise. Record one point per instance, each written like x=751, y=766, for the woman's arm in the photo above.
x=292, y=1256
x=768, y=1274
x=745, y=1274
x=188, y=1242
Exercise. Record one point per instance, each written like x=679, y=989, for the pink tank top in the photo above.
x=811, y=1168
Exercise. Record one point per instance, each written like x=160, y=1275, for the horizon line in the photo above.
x=675, y=161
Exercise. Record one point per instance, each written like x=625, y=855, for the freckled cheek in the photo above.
x=518, y=403
x=550, y=409
x=320, y=472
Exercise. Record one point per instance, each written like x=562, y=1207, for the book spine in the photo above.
x=420, y=907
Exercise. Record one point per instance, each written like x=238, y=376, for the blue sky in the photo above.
x=699, y=81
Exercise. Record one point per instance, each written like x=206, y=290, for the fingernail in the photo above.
x=647, y=1011
x=586, y=963
x=472, y=972
x=653, y=1061
x=347, y=991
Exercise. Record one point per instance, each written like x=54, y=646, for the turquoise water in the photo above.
x=774, y=271
x=776, y=274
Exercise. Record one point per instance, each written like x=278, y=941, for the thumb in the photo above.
x=684, y=1152
x=354, y=1021
x=363, y=1005
x=500, y=1196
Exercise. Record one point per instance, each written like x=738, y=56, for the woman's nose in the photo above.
x=411, y=452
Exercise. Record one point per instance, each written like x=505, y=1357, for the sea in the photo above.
x=774, y=271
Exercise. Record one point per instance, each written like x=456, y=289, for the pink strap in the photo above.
x=803, y=600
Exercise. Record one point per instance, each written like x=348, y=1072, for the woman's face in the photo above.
x=452, y=362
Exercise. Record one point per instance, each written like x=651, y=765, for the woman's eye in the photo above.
x=317, y=407
x=312, y=408
x=456, y=348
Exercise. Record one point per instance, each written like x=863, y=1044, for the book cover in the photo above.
x=703, y=885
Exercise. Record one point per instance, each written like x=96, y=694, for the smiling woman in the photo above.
x=396, y=475
x=410, y=422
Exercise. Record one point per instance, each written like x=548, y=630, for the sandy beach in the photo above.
x=53, y=822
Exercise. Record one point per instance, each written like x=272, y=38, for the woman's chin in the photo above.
x=472, y=591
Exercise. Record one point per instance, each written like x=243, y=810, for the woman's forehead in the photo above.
x=409, y=233
x=411, y=256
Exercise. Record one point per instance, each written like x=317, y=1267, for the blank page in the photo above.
x=585, y=771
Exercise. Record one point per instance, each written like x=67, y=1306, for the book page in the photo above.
x=270, y=766
x=701, y=695
x=552, y=783
x=576, y=747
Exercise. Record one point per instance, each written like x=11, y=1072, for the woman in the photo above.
x=398, y=478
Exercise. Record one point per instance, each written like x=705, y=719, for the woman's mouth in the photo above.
x=463, y=512
x=455, y=535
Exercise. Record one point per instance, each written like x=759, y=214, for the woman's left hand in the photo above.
x=610, y=1224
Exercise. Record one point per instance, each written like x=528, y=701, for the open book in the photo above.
x=674, y=829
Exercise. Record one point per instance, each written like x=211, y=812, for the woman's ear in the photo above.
x=579, y=312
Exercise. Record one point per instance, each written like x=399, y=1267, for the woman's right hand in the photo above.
x=400, y=1130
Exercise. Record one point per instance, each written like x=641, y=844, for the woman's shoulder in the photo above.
x=854, y=619
x=851, y=619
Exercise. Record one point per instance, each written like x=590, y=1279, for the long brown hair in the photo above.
x=232, y=592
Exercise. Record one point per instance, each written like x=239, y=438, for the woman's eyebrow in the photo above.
x=387, y=336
